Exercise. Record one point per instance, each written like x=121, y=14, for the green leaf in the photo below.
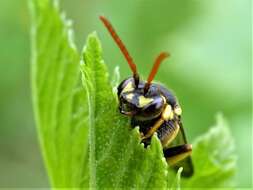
x=65, y=113
x=58, y=96
x=214, y=158
x=115, y=79
x=85, y=141
x=117, y=158
x=176, y=183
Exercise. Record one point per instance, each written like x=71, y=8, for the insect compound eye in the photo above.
x=126, y=107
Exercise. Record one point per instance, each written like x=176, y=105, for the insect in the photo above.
x=153, y=108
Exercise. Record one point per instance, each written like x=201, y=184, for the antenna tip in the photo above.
x=101, y=17
x=165, y=54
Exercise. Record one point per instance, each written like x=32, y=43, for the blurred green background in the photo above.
x=210, y=69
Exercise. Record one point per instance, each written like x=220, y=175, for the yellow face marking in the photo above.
x=129, y=87
x=130, y=96
x=144, y=101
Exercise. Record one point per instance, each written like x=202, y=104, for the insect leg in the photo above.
x=166, y=114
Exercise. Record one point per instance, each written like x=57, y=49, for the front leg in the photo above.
x=165, y=116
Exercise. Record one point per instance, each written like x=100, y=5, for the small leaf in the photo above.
x=115, y=80
x=175, y=185
x=117, y=158
x=214, y=158
x=58, y=95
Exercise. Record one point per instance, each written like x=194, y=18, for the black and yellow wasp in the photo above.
x=153, y=108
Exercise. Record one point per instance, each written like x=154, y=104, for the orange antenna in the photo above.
x=122, y=47
x=154, y=70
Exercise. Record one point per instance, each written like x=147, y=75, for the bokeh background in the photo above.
x=210, y=69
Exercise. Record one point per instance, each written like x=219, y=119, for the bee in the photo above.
x=153, y=108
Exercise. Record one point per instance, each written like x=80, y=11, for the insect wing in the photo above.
x=187, y=162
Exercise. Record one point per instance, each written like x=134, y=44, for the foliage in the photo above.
x=214, y=158
x=85, y=141
x=57, y=95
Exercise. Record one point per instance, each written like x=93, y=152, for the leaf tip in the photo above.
x=93, y=44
